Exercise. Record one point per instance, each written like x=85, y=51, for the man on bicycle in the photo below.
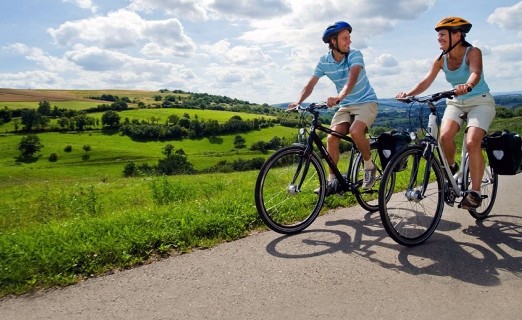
x=344, y=66
x=462, y=65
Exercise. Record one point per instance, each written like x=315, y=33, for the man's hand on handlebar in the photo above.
x=293, y=105
x=332, y=101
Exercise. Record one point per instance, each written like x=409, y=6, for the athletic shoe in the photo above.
x=472, y=200
x=369, y=178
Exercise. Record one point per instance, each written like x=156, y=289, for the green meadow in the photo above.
x=79, y=217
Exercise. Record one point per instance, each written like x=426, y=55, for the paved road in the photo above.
x=343, y=266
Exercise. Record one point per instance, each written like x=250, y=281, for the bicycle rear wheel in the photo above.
x=368, y=199
x=414, y=210
x=290, y=190
x=488, y=189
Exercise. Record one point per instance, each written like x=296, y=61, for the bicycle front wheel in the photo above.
x=368, y=199
x=290, y=190
x=488, y=189
x=414, y=210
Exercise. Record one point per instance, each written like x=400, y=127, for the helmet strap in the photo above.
x=450, y=47
x=336, y=46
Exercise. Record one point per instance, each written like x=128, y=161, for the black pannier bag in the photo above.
x=389, y=143
x=504, y=150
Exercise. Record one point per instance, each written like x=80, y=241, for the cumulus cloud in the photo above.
x=40, y=57
x=126, y=29
x=259, y=9
x=385, y=64
x=84, y=4
x=508, y=17
x=189, y=9
x=31, y=79
x=236, y=55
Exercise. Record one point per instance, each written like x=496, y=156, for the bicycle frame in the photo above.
x=457, y=182
x=346, y=184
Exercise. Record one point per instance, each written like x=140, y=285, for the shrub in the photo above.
x=53, y=157
x=68, y=148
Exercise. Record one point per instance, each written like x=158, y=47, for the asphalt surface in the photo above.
x=343, y=266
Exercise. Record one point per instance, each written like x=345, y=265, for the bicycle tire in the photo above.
x=369, y=199
x=283, y=205
x=488, y=189
x=409, y=218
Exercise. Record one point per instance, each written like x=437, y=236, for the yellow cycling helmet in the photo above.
x=454, y=24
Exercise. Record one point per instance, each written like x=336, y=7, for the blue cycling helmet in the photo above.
x=335, y=29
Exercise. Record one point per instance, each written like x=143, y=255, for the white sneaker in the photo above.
x=369, y=178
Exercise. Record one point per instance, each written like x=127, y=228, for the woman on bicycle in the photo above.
x=344, y=66
x=462, y=66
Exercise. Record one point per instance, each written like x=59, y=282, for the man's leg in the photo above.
x=333, y=144
x=358, y=133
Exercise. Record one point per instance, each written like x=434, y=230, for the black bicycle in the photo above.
x=291, y=185
x=423, y=182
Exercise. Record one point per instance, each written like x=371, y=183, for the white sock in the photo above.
x=368, y=164
x=331, y=177
x=478, y=192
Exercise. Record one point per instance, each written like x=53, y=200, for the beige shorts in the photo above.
x=365, y=112
x=480, y=110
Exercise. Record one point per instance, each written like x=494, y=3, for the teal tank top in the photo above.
x=461, y=75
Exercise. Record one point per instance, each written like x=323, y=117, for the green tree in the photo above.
x=44, y=108
x=29, y=146
x=30, y=118
x=167, y=150
x=111, y=119
x=239, y=142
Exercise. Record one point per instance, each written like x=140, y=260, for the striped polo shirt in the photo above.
x=338, y=72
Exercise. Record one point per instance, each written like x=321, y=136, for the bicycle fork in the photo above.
x=417, y=194
x=300, y=173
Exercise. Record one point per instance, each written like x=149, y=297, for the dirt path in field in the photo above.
x=343, y=266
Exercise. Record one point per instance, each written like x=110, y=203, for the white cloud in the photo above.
x=189, y=9
x=237, y=55
x=41, y=58
x=508, y=17
x=126, y=29
x=84, y=4
x=31, y=79
x=259, y=9
x=118, y=29
x=259, y=50
x=384, y=65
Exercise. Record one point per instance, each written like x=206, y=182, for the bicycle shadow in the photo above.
x=441, y=255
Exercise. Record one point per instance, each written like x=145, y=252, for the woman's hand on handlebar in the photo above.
x=462, y=89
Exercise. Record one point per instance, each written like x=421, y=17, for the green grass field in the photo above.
x=64, y=221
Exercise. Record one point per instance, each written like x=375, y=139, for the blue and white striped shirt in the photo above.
x=338, y=72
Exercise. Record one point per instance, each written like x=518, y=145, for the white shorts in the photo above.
x=480, y=109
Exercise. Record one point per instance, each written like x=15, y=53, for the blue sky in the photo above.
x=262, y=51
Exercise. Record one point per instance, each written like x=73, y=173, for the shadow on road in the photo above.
x=494, y=244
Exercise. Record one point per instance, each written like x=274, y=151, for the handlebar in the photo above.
x=311, y=107
x=430, y=98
